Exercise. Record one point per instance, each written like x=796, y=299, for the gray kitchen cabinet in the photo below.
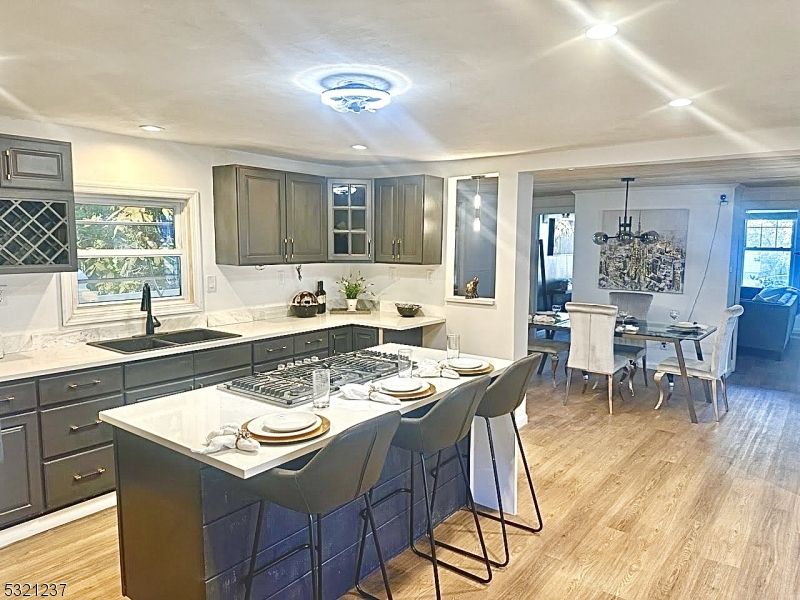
x=408, y=337
x=17, y=397
x=35, y=164
x=159, y=390
x=306, y=218
x=273, y=350
x=409, y=214
x=364, y=337
x=20, y=472
x=222, y=376
x=222, y=359
x=265, y=217
x=158, y=370
x=79, y=476
x=340, y=340
x=76, y=426
x=350, y=209
x=79, y=385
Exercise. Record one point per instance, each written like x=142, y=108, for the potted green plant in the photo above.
x=353, y=287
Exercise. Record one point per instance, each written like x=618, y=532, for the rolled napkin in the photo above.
x=354, y=391
x=544, y=319
x=231, y=436
x=433, y=368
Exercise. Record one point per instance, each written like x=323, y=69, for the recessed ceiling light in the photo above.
x=680, y=102
x=358, y=147
x=601, y=31
x=151, y=128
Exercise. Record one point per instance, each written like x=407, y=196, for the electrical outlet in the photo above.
x=3, y=295
x=281, y=277
x=429, y=276
x=211, y=284
x=663, y=345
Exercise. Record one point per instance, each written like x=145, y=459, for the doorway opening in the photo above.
x=555, y=234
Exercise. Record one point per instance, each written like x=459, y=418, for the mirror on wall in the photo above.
x=476, y=236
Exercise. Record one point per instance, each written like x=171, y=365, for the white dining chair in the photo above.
x=592, y=346
x=714, y=370
x=636, y=305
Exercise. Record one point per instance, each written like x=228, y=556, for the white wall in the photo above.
x=703, y=204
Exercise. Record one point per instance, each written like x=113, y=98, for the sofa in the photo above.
x=766, y=326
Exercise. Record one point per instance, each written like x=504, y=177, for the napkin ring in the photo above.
x=242, y=434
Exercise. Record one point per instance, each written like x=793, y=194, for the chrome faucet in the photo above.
x=151, y=322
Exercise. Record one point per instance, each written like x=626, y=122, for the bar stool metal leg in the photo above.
x=319, y=557
x=311, y=545
x=432, y=556
x=369, y=518
x=254, y=555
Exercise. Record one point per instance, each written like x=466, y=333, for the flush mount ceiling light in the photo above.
x=358, y=147
x=151, y=128
x=678, y=102
x=625, y=234
x=601, y=31
x=355, y=97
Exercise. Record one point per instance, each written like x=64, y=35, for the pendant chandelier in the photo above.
x=476, y=203
x=625, y=234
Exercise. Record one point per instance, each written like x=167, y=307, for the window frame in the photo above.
x=772, y=215
x=187, y=242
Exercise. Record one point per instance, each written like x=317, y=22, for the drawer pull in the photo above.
x=74, y=428
x=96, y=473
x=8, y=399
x=75, y=386
x=276, y=349
x=317, y=341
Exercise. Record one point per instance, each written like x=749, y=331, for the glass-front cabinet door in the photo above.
x=350, y=220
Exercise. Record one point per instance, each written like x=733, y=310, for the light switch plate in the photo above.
x=429, y=276
x=392, y=274
x=281, y=278
x=3, y=295
x=211, y=284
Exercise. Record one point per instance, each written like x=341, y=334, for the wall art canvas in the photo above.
x=659, y=267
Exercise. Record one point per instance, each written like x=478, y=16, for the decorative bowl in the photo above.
x=305, y=304
x=407, y=310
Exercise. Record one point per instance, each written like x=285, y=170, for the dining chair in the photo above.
x=592, y=346
x=636, y=305
x=714, y=370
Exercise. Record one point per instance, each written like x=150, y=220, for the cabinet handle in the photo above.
x=369, y=247
x=74, y=428
x=399, y=251
x=317, y=341
x=291, y=253
x=96, y=473
x=75, y=386
x=286, y=249
x=394, y=243
x=8, y=164
x=8, y=399
x=276, y=349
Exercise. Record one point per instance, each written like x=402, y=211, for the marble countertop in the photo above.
x=82, y=356
x=182, y=421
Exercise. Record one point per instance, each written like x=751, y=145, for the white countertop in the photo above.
x=181, y=422
x=81, y=356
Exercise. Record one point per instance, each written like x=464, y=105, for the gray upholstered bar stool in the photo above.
x=502, y=398
x=348, y=467
x=447, y=423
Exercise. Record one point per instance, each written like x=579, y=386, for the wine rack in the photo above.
x=35, y=234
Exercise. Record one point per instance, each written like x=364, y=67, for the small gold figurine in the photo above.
x=472, y=288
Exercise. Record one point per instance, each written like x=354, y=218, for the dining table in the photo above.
x=666, y=333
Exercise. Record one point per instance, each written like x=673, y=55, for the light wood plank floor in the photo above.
x=638, y=505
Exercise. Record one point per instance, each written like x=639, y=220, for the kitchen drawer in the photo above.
x=268, y=366
x=215, y=378
x=17, y=397
x=76, y=426
x=159, y=391
x=79, y=476
x=79, y=385
x=157, y=370
x=270, y=350
x=222, y=359
x=308, y=342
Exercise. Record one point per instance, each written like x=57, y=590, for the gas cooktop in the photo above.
x=292, y=385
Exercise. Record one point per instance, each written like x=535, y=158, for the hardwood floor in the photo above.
x=638, y=505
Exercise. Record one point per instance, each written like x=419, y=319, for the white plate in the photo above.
x=686, y=325
x=466, y=363
x=257, y=427
x=397, y=385
x=290, y=421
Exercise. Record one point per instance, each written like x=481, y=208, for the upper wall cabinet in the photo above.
x=408, y=220
x=37, y=207
x=350, y=220
x=264, y=217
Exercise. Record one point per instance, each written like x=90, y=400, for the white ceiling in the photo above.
x=488, y=77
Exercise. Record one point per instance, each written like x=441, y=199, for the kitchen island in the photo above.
x=186, y=523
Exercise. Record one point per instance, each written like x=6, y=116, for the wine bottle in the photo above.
x=322, y=298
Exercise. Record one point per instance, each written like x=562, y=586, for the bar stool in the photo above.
x=502, y=398
x=348, y=467
x=446, y=423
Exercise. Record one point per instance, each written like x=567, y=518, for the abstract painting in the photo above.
x=658, y=267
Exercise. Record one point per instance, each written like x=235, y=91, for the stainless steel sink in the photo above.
x=170, y=339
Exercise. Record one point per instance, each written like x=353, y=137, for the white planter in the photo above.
x=351, y=304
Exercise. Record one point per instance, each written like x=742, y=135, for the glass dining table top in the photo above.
x=646, y=330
